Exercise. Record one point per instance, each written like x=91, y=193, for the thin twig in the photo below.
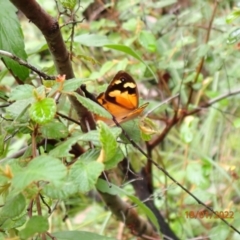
x=200, y=66
x=172, y=178
x=26, y=64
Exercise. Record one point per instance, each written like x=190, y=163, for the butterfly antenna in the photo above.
x=160, y=104
x=105, y=175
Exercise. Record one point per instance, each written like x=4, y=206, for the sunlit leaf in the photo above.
x=233, y=15
x=43, y=111
x=108, y=141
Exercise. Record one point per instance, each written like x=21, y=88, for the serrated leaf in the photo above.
x=11, y=39
x=21, y=92
x=85, y=174
x=70, y=4
x=90, y=155
x=54, y=130
x=11, y=209
x=108, y=141
x=63, y=190
x=43, y=111
x=76, y=235
x=92, y=40
x=18, y=108
x=69, y=186
x=92, y=106
x=36, y=224
x=43, y=168
x=147, y=40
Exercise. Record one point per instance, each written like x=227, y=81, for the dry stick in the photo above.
x=169, y=176
x=215, y=100
x=200, y=66
x=26, y=64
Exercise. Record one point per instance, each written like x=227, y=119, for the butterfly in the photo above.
x=121, y=99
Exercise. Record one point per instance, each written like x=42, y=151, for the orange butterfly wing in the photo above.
x=121, y=99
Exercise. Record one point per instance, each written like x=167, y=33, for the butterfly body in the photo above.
x=121, y=99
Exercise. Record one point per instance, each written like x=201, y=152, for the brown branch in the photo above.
x=200, y=66
x=51, y=31
x=125, y=213
x=26, y=64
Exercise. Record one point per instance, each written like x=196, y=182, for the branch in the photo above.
x=125, y=213
x=26, y=64
x=51, y=31
x=200, y=66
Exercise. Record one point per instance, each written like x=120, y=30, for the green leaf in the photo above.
x=43, y=168
x=18, y=108
x=36, y=224
x=9, y=224
x=43, y=111
x=92, y=106
x=233, y=15
x=54, y=130
x=195, y=175
x=92, y=40
x=147, y=40
x=133, y=131
x=76, y=235
x=236, y=123
x=69, y=186
x=85, y=174
x=63, y=190
x=11, y=39
x=11, y=209
x=125, y=49
x=69, y=4
x=73, y=84
x=222, y=231
x=129, y=51
x=62, y=150
x=113, y=162
x=108, y=141
x=21, y=92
